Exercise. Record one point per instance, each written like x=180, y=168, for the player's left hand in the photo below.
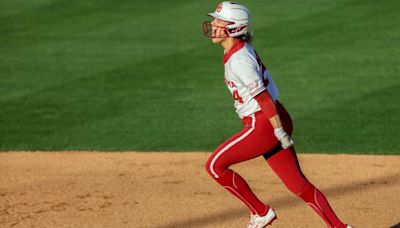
x=283, y=137
x=287, y=142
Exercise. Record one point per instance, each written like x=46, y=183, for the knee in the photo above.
x=212, y=169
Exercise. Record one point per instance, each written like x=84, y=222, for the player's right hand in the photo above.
x=283, y=137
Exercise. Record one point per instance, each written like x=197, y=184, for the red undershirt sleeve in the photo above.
x=267, y=104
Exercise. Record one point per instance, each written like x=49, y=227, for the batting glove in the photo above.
x=283, y=137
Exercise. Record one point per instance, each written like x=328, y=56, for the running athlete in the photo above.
x=266, y=124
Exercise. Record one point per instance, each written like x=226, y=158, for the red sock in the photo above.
x=318, y=202
x=235, y=184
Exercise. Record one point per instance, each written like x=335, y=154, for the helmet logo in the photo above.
x=219, y=7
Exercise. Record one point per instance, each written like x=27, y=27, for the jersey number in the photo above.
x=236, y=96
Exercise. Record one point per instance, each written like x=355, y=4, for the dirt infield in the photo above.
x=89, y=189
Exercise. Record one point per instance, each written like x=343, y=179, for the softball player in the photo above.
x=266, y=124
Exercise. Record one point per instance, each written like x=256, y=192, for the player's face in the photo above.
x=218, y=30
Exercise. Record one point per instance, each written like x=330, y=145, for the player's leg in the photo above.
x=286, y=166
x=249, y=143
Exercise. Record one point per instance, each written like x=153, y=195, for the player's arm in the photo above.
x=269, y=109
x=246, y=70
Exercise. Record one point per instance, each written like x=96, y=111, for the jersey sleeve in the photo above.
x=246, y=69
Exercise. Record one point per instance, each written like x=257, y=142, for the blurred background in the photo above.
x=140, y=75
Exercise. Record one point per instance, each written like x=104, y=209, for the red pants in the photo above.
x=257, y=138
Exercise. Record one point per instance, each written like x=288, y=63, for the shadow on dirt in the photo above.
x=278, y=203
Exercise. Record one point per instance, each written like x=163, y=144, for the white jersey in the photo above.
x=246, y=77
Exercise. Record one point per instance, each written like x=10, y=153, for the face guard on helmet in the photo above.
x=237, y=16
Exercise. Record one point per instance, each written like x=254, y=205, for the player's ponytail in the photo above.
x=247, y=37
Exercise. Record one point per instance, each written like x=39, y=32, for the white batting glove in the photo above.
x=283, y=137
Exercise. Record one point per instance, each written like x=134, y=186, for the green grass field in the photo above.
x=140, y=75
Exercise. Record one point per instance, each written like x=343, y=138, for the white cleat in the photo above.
x=347, y=226
x=261, y=222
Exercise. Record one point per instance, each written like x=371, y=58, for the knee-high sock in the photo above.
x=319, y=203
x=235, y=184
